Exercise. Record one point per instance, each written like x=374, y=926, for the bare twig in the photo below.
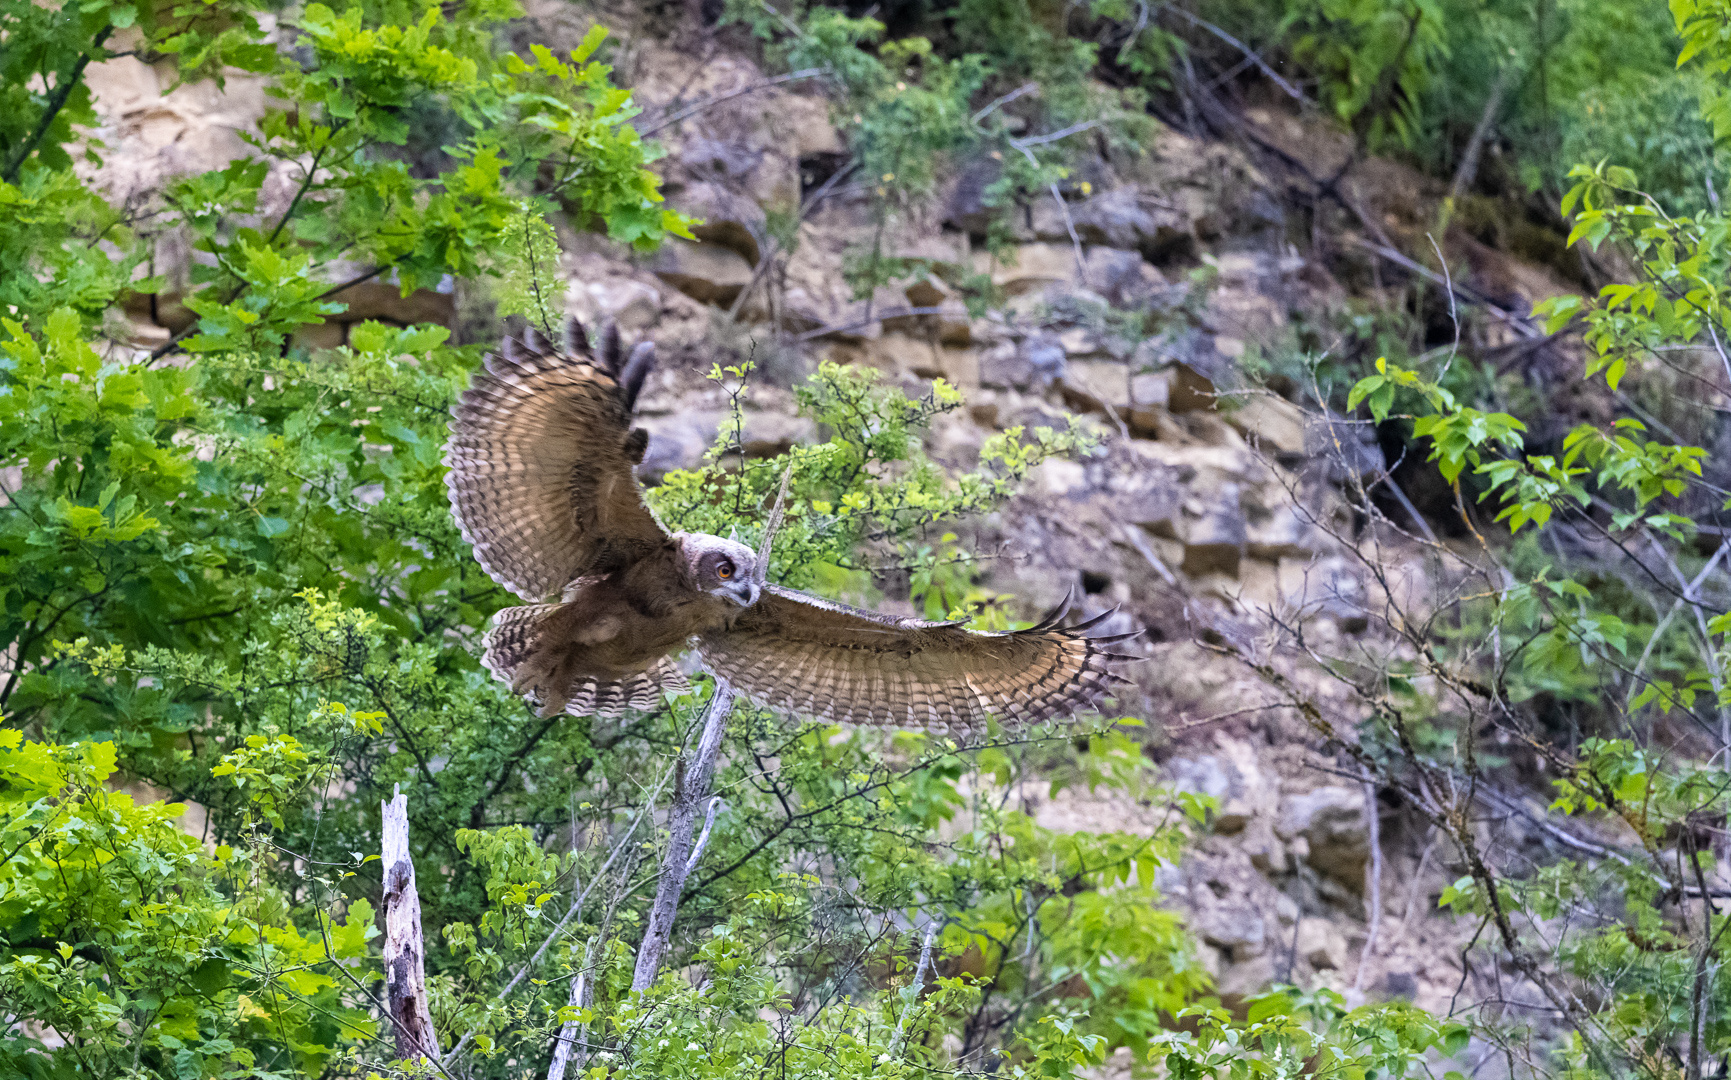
x=858, y=324
x=1052, y=137
x=1719, y=347
x=1519, y=325
x=760, y=569
x=1133, y=535
x=1025, y=148
x=1250, y=54
x=1186, y=725
x=1021, y=91
x=707, y=103
x=1454, y=313
x=621, y=846
x=1689, y=590
x=1709, y=654
x=715, y=806
x=1135, y=31
x=697, y=772
x=1417, y=881
x=767, y=261
x=1075, y=241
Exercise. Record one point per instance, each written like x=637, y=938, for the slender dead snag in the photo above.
x=574, y=1032
x=920, y=972
x=405, y=949
x=1469, y=166
x=696, y=772
x=699, y=771
x=1373, y=878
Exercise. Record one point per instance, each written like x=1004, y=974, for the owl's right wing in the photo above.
x=540, y=457
x=829, y=661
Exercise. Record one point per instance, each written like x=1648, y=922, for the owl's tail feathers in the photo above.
x=635, y=693
x=545, y=670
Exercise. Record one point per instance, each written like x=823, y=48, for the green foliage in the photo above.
x=1362, y=50
x=239, y=579
x=1611, y=670
x=1289, y=1033
x=527, y=261
x=1534, y=486
x=343, y=114
x=206, y=559
x=916, y=108
x=869, y=484
x=144, y=951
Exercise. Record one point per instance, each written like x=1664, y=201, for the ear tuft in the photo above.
x=576, y=338
x=609, y=358
x=637, y=371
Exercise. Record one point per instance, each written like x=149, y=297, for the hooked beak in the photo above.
x=743, y=592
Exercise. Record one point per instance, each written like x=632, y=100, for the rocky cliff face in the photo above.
x=1211, y=506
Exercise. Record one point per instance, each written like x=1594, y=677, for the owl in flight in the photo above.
x=541, y=457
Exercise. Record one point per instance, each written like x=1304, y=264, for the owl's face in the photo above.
x=721, y=568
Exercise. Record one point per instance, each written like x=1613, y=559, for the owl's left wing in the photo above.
x=540, y=458
x=829, y=661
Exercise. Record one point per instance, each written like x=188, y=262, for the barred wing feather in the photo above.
x=540, y=460
x=829, y=661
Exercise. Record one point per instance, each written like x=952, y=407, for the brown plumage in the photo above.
x=541, y=454
x=830, y=661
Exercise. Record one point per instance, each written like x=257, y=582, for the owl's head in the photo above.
x=722, y=568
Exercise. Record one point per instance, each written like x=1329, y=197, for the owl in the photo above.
x=541, y=482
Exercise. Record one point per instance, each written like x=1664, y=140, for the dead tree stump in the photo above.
x=405, y=948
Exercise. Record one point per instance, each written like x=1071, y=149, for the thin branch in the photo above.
x=56, y=102
x=168, y=346
x=1469, y=166
x=1676, y=605
x=843, y=328
x=1021, y=91
x=1052, y=137
x=1454, y=313
x=715, y=806
x=1250, y=54
x=697, y=773
x=767, y=262
x=1133, y=535
x=707, y=103
x=1519, y=325
x=623, y=844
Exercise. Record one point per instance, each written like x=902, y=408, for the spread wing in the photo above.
x=541, y=454
x=829, y=661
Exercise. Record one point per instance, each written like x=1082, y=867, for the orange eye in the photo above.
x=724, y=571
